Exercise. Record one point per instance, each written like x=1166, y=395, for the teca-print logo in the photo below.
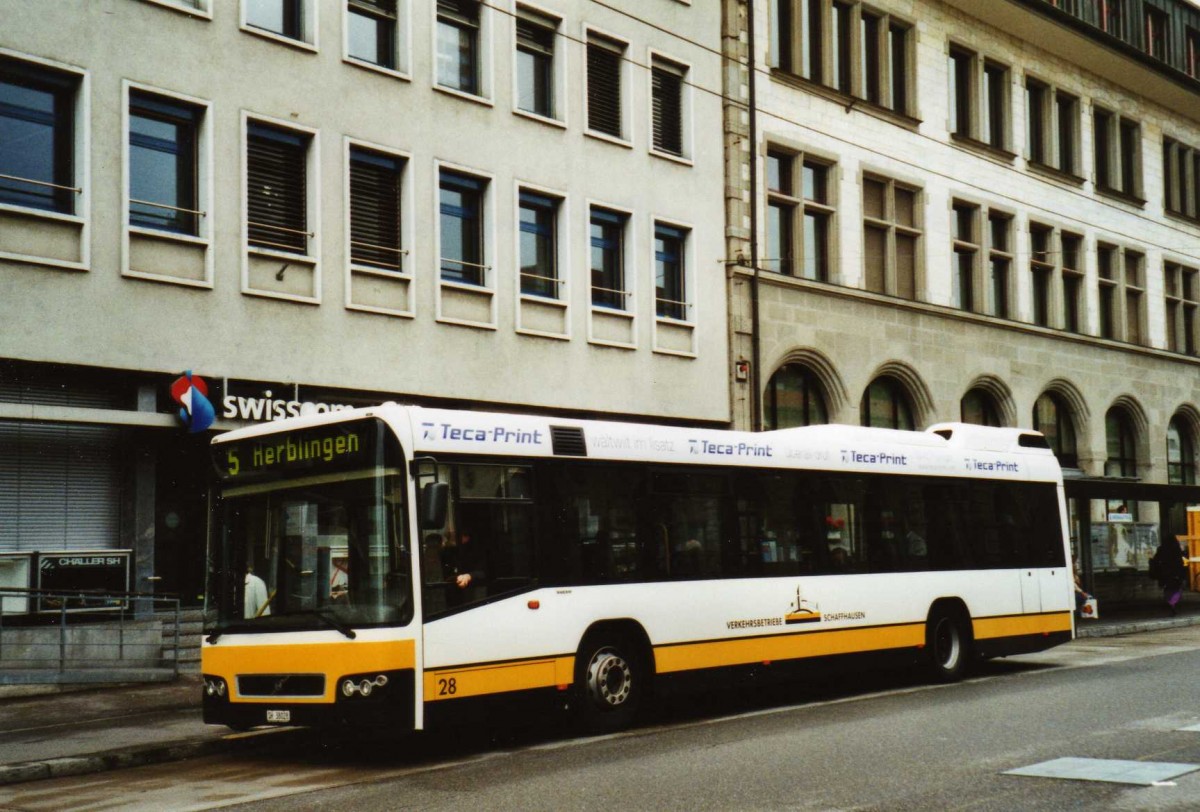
x=196, y=410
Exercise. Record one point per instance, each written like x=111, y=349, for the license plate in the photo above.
x=279, y=716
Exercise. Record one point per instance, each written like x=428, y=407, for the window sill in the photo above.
x=610, y=139
x=380, y=69
x=467, y=286
x=1182, y=217
x=846, y=100
x=673, y=322
x=465, y=96
x=612, y=311
x=299, y=45
x=1117, y=194
x=544, y=300
x=1053, y=173
x=169, y=236
x=286, y=297
x=538, y=117
x=682, y=160
x=168, y=280
x=191, y=12
x=271, y=253
x=983, y=148
x=384, y=273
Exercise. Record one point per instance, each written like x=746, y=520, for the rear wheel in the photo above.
x=948, y=645
x=611, y=680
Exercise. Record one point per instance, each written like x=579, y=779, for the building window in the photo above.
x=608, y=258
x=1041, y=271
x=1155, y=31
x=979, y=105
x=604, y=85
x=371, y=32
x=1182, y=300
x=458, y=32
x=891, y=237
x=1192, y=55
x=163, y=163
x=885, y=405
x=1110, y=17
x=978, y=407
x=667, y=106
x=1051, y=127
x=1181, y=453
x=1071, y=256
x=539, y=244
x=375, y=210
x=1135, y=289
x=461, y=199
x=965, y=246
x=846, y=46
x=277, y=188
x=670, y=272
x=535, y=62
x=1181, y=179
x=799, y=216
x=1107, y=260
x=282, y=17
x=1000, y=260
x=1118, y=161
x=37, y=137
x=794, y=398
x=1052, y=417
x=1122, y=454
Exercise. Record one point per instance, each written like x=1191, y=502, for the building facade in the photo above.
x=984, y=212
x=311, y=204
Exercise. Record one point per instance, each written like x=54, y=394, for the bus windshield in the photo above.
x=309, y=530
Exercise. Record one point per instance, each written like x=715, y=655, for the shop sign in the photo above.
x=266, y=406
x=102, y=572
x=190, y=393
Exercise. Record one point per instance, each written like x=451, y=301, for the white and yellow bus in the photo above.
x=381, y=565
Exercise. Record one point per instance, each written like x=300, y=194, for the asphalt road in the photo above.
x=885, y=742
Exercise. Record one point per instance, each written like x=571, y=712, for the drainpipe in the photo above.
x=755, y=353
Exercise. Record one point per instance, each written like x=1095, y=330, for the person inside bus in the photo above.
x=256, y=600
x=462, y=567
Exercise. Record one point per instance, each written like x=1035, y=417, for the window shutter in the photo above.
x=604, y=89
x=535, y=34
x=667, y=110
x=375, y=210
x=276, y=189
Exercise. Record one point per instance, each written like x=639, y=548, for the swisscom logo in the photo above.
x=196, y=410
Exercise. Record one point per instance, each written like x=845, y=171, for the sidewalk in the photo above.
x=64, y=732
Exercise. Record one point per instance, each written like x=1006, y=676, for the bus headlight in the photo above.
x=363, y=687
x=214, y=686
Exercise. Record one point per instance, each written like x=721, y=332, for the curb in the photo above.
x=1082, y=629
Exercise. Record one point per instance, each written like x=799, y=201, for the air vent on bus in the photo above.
x=568, y=441
x=1032, y=441
x=944, y=433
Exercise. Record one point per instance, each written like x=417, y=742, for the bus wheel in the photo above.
x=948, y=645
x=610, y=680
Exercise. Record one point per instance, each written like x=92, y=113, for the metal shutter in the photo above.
x=604, y=88
x=276, y=189
x=667, y=110
x=375, y=209
x=60, y=487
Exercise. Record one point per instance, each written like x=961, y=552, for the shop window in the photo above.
x=885, y=404
x=794, y=398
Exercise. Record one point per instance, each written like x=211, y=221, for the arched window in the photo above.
x=1181, y=454
x=794, y=398
x=1122, y=454
x=885, y=405
x=979, y=407
x=1052, y=417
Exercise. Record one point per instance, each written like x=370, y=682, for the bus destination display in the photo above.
x=342, y=446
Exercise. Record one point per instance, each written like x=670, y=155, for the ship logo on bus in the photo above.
x=801, y=611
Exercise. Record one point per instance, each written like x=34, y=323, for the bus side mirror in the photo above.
x=435, y=498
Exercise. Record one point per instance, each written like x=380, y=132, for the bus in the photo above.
x=385, y=564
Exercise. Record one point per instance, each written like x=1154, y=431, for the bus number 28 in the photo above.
x=447, y=687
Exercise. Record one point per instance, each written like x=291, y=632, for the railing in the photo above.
x=77, y=630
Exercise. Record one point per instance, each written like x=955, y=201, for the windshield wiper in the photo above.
x=335, y=624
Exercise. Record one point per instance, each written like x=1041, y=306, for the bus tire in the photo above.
x=947, y=644
x=611, y=681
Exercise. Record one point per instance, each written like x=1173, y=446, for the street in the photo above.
x=886, y=742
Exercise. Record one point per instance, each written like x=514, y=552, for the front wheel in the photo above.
x=948, y=645
x=611, y=680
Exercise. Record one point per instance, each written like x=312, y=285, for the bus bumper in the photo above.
x=388, y=705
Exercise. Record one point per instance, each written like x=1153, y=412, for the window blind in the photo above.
x=604, y=88
x=276, y=189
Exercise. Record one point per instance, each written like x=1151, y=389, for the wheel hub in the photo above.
x=609, y=679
